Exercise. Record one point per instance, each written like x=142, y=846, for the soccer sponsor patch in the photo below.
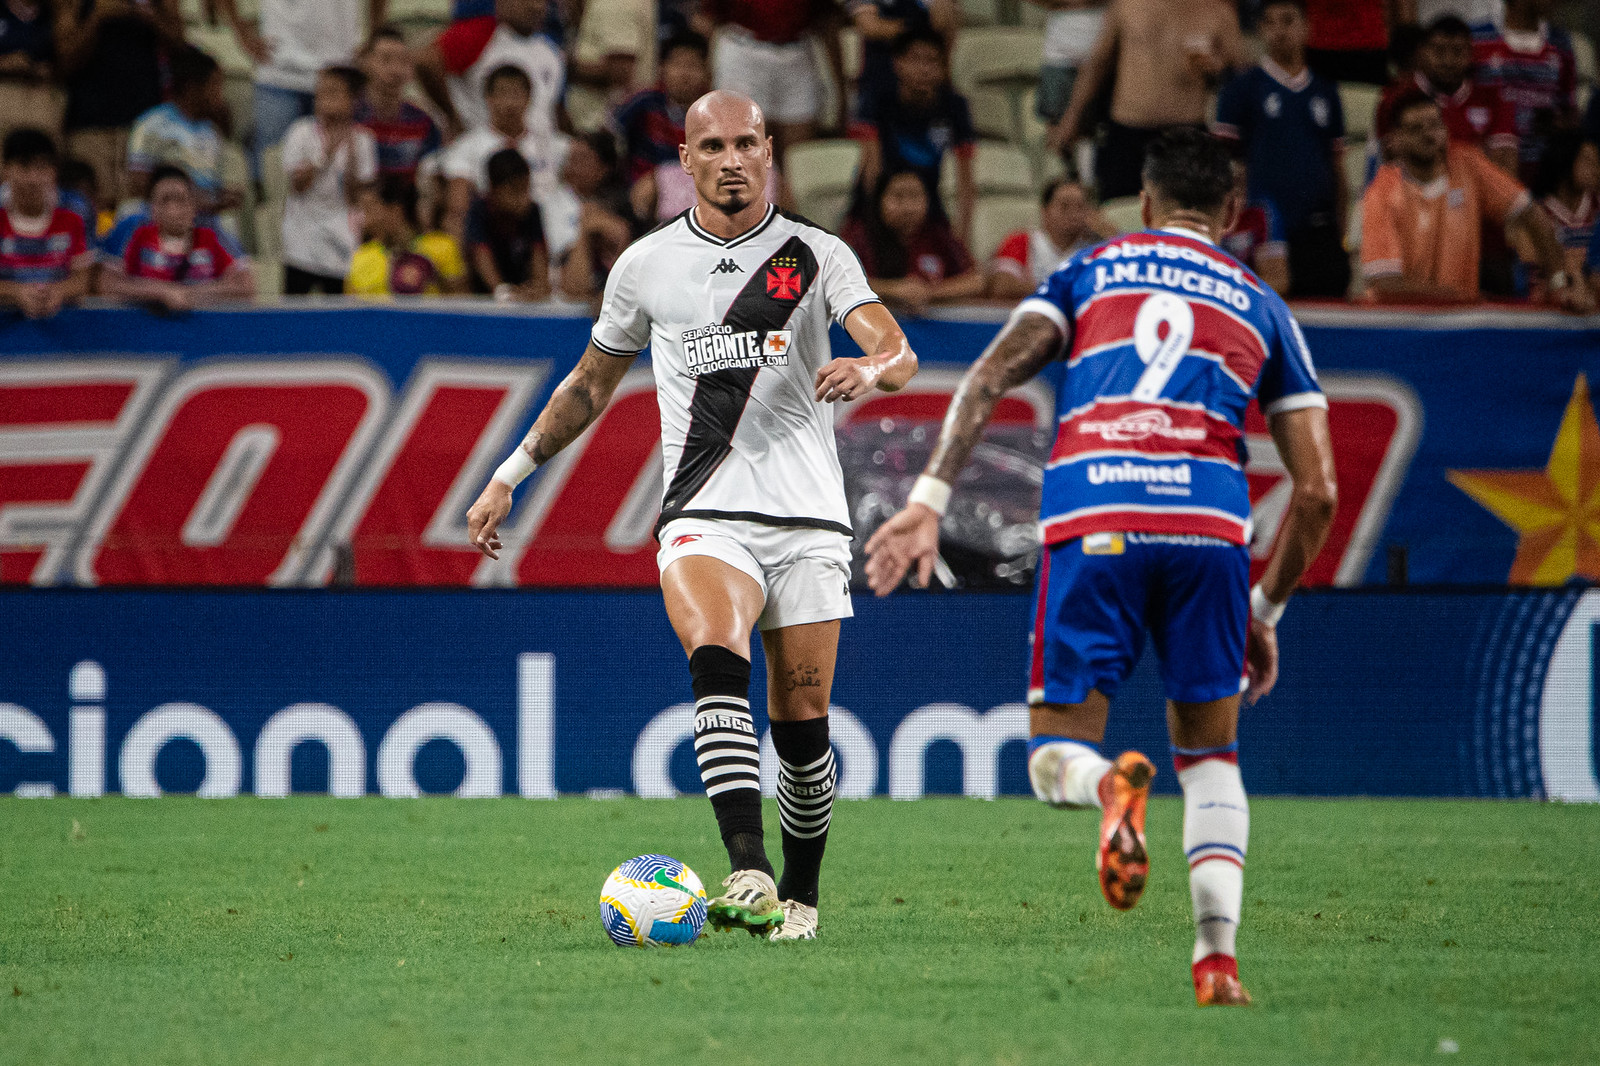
x=1104, y=544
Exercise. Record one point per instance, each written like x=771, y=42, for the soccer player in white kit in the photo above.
x=734, y=299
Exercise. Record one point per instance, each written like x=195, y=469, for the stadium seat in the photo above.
x=995, y=67
x=1360, y=103
x=236, y=175
x=1123, y=213
x=1355, y=167
x=269, y=213
x=996, y=216
x=815, y=167
x=996, y=167
x=850, y=45
x=825, y=208
x=981, y=12
x=1583, y=52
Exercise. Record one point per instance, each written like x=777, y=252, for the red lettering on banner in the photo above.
x=408, y=515
x=234, y=476
x=574, y=542
x=61, y=422
x=1374, y=424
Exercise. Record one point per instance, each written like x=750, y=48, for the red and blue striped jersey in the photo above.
x=207, y=259
x=1170, y=339
x=48, y=256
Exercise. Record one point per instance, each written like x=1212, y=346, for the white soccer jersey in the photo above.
x=737, y=331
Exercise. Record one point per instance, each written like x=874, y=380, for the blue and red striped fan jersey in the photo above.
x=44, y=257
x=208, y=257
x=1171, y=338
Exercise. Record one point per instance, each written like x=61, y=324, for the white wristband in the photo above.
x=1264, y=610
x=518, y=465
x=931, y=493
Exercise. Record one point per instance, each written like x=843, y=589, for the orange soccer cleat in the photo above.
x=1216, y=983
x=1122, y=861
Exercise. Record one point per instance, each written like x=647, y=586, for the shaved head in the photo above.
x=727, y=152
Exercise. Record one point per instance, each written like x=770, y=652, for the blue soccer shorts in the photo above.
x=1099, y=594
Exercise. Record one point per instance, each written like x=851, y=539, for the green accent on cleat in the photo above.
x=733, y=916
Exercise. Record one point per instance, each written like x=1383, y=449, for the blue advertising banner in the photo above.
x=534, y=693
x=340, y=443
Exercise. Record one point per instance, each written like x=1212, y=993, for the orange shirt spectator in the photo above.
x=1430, y=231
x=1423, y=213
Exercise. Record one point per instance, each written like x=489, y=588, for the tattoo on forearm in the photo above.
x=802, y=677
x=1021, y=351
x=568, y=414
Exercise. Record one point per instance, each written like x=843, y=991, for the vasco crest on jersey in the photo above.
x=785, y=281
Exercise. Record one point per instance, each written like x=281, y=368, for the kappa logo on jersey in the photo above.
x=727, y=266
x=1141, y=425
x=721, y=347
x=784, y=280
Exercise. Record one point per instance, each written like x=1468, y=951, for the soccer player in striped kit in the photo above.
x=1146, y=521
x=734, y=298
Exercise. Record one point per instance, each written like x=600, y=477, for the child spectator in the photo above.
x=183, y=133
x=506, y=92
x=911, y=257
x=1257, y=238
x=327, y=158
x=397, y=260
x=110, y=54
x=1473, y=113
x=505, y=236
x=403, y=131
x=1290, y=126
x=650, y=124
x=1567, y=186
x=912, y=129
x=1534, y=73
x=295, y=40
x=586, y=223
x=880, y=23
x=1067, y=222
x=172, y=262
x=453, y=70
x=27, y=56
x=44, y=255
x=1423, y=214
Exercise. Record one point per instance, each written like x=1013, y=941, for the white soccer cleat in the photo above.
x=799, y=922
x=1044, y=773
x=750, y=902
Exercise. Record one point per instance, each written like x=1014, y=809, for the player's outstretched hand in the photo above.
x=485, y=516
x=847, y=379
x=912, y=536
x=1260, y=661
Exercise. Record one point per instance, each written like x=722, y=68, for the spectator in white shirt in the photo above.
x=328, y=160
x=293, y=42
x=506, y=92
x=454, y=69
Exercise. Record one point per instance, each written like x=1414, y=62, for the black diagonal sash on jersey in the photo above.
x=765, y=303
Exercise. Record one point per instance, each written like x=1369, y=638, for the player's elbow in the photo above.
x=1318, y=500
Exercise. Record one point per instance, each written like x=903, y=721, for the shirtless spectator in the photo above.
x=1067, y=222
x=1162, y=60
x=1474, y=114
x=764, y=52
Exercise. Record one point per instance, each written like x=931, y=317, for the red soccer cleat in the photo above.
x=1122, y=860
x=1216, y=982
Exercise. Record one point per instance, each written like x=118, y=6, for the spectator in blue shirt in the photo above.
x=879, y=23
x=183, y=133
x=1289, y=126
x=914, y=128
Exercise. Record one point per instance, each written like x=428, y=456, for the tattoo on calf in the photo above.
x=802, y=677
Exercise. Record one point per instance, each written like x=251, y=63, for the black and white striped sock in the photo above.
x=806, y=778
x=729, y=753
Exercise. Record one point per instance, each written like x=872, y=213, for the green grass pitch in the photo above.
x=953, y=931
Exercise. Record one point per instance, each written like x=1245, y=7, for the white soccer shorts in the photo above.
x=781, y=78
x=804, y=573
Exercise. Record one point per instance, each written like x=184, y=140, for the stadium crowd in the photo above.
x=174, y=152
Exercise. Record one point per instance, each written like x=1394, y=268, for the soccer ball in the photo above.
x=652, y=901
